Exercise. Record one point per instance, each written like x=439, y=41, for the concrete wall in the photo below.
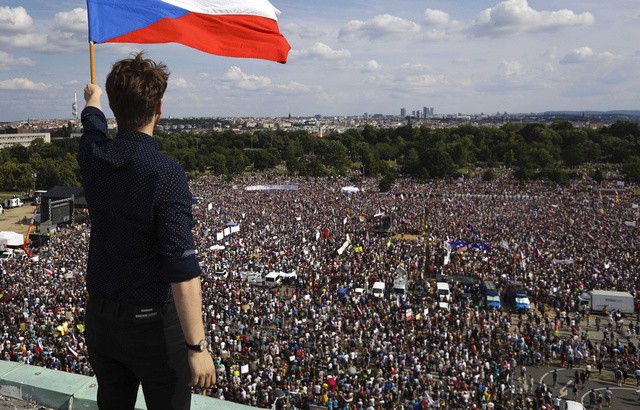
x=61, y=390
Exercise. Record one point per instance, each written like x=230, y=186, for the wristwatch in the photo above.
x=200, y=347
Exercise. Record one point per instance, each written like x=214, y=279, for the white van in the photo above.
x=400, y=287
x=378, y=289
x=573, y=405
x=443, y=291
x=273, y=279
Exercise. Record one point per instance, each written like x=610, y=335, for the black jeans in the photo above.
x=129, y=346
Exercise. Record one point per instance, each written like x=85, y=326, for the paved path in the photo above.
x=15, y=404
x=625, y=397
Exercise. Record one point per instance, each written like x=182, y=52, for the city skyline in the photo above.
x=350, y=58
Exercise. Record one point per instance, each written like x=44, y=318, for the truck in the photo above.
x=12, y=203
x=492, y=295
x=521, y=300
x=518, y=296
x=378, y=289
x=400, y=286
x=606, y=301
x=13, y=254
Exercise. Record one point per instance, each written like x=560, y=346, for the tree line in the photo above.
x=531, y=150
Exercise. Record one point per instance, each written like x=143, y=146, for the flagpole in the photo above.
x=92, y=62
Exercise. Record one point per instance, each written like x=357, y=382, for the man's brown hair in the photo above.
x=135, y=87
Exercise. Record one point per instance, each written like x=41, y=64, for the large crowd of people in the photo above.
x=318, y=341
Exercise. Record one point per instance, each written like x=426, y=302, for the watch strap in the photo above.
x=200, y=347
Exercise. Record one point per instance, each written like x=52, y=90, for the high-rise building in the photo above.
x=403, y=112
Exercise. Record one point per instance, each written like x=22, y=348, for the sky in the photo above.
x=350, y=58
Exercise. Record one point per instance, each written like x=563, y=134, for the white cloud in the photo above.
x=586, y=55
x=513, y=75
x=383, y=26
x=436, y=18
x=371, y=66
x=414, y=67
x=439, y=25
x=321, y=51
x=512, y=68
x=385, y=80
x=246, y=81
x=295, y=87
x=74, y=20
x=181, y=83
x=69, y=30
x=28, y=41
x=620, y=75
x=512, y=17
x=15, y=20
x=22, y=84
x=8, y=62
x=304, y=31
x=466, y=61
x=426, y=80
x=17, y=30
x=410, y=76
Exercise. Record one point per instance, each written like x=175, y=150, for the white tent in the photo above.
x=12, y=238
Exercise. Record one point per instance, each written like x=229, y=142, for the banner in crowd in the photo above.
x=344, y=246
x=348, y=190
x=272, y=188
x=562, y=261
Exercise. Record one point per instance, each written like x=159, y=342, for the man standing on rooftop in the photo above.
x=144, y=315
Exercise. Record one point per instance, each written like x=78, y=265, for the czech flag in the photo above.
x=39, y=347
x=71, y=351
x=231, y=28
x=358, y=310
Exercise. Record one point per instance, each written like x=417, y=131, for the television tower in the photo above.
x=74, y=106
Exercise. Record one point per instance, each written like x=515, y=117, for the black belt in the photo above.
x=145, y=312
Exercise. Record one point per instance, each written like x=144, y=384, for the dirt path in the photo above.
x=16, y=219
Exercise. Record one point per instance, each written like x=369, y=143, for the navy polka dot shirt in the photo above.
x=140, y=210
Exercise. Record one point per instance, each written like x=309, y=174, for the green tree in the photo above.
x=411, y=162
x=598, y=176
x=265, y=158
x=236, y=161
x=16, y=176
x=631, y=168
x=438, y=162
x=386, y=182
x=489, y=175
x=334, y=155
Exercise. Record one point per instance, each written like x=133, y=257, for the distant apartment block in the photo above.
x=24, y=139
x=421, y=113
